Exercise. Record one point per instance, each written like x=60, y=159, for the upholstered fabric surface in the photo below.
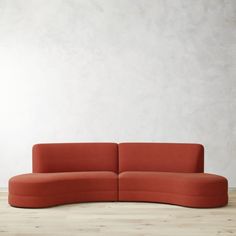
x=170, y=157
x=66, y=157
x=48, y=189
x=187, y=189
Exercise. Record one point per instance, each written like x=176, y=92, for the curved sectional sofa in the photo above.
x=87, y=172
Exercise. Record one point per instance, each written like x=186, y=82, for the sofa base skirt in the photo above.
x=48, y=201
x=124, y=196
x=175, y=199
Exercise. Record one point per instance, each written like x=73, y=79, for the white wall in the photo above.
x=127, y=70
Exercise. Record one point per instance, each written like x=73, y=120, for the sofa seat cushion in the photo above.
x=186, y=189
x=49, y=189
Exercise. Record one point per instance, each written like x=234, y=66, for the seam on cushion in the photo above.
x=210, y=196
x=65, y=193
x=15, y=195
x=66, y=180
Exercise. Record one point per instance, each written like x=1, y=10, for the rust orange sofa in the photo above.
x=151, y=172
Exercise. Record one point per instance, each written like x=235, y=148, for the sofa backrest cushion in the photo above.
x=166, y=157
x=65, y=157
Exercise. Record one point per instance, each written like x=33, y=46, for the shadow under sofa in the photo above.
x=90, y=172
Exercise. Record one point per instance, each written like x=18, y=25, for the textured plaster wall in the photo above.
x=108, y=70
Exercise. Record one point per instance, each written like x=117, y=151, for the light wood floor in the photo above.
x=118, y=219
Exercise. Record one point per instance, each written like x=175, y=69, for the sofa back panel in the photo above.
x=166, y=157
x=65, y=157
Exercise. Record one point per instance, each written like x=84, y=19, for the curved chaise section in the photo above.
x=50, y=189
x=67, y=173
x=168, y=173
x=186, y=189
